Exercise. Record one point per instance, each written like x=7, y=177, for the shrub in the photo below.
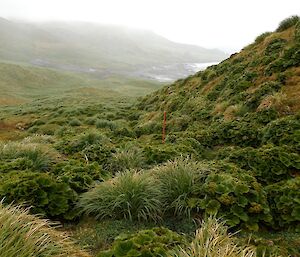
x=79, y=176
x=43, y=192
x=159, y=154
x=268, y=163
x=91, y=146
x=284, y=198
x=283, y=131
x=287, y=23
x=130, y=195
x=156, y=242
x=26, y=235
x=234, y=195
x=213, y=239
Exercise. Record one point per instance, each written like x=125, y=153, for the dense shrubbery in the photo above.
x=46, y=194
x=90, y=146
x=284, y=198
x=269, y=163
x=156, y=242
x=79, y=176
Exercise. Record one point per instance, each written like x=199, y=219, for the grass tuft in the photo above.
x=130, y=195
x=213, y=239
x=23, y=235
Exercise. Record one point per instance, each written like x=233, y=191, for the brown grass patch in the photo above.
x=292, y=90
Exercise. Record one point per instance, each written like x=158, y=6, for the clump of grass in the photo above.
x=130, y=195
x=75, y=122
x=23, y=234
x=213, y=239
x=102, y=123
x=287, y=23
x=177, y=180
x=40, y=157
x=127, y=157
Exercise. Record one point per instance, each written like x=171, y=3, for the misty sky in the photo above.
x=226, y=24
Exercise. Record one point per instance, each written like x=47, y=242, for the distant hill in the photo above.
x=24, y=83
x=93, y=48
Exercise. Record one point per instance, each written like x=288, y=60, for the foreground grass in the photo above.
x=25, y=235
x=213, y=239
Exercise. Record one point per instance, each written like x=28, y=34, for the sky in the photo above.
x=225, y=24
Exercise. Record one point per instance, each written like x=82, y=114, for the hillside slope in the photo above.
x=86, y=47
x=245, y=111
x=24, y=83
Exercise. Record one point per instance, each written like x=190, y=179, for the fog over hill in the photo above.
x=100, y=49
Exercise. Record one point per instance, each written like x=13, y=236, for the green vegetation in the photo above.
x=25, y=235
x=129, y=195
x=287, y=23
x=213, y=239
x=94, y=159
x=151, y=242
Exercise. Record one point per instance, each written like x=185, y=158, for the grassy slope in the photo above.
x=225, y=88
x=21, y=83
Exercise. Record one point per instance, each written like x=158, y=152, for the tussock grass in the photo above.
x=26, y=235
x=40, y=156
x=213, y=240
x=127, y=157
x=177, y=180
x=130, y=195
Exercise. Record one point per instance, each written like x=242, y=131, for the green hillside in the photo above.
x=23, y=83
x=226, y=180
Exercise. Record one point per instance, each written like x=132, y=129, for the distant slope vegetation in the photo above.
x=24, y=83
x=81, y=46
x=246, y=111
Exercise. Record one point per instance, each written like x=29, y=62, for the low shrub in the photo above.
x=269, y=163
x=284, y=198
x=130, y=195
x=156, y=242
x=79, y=176
x=43, y=192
